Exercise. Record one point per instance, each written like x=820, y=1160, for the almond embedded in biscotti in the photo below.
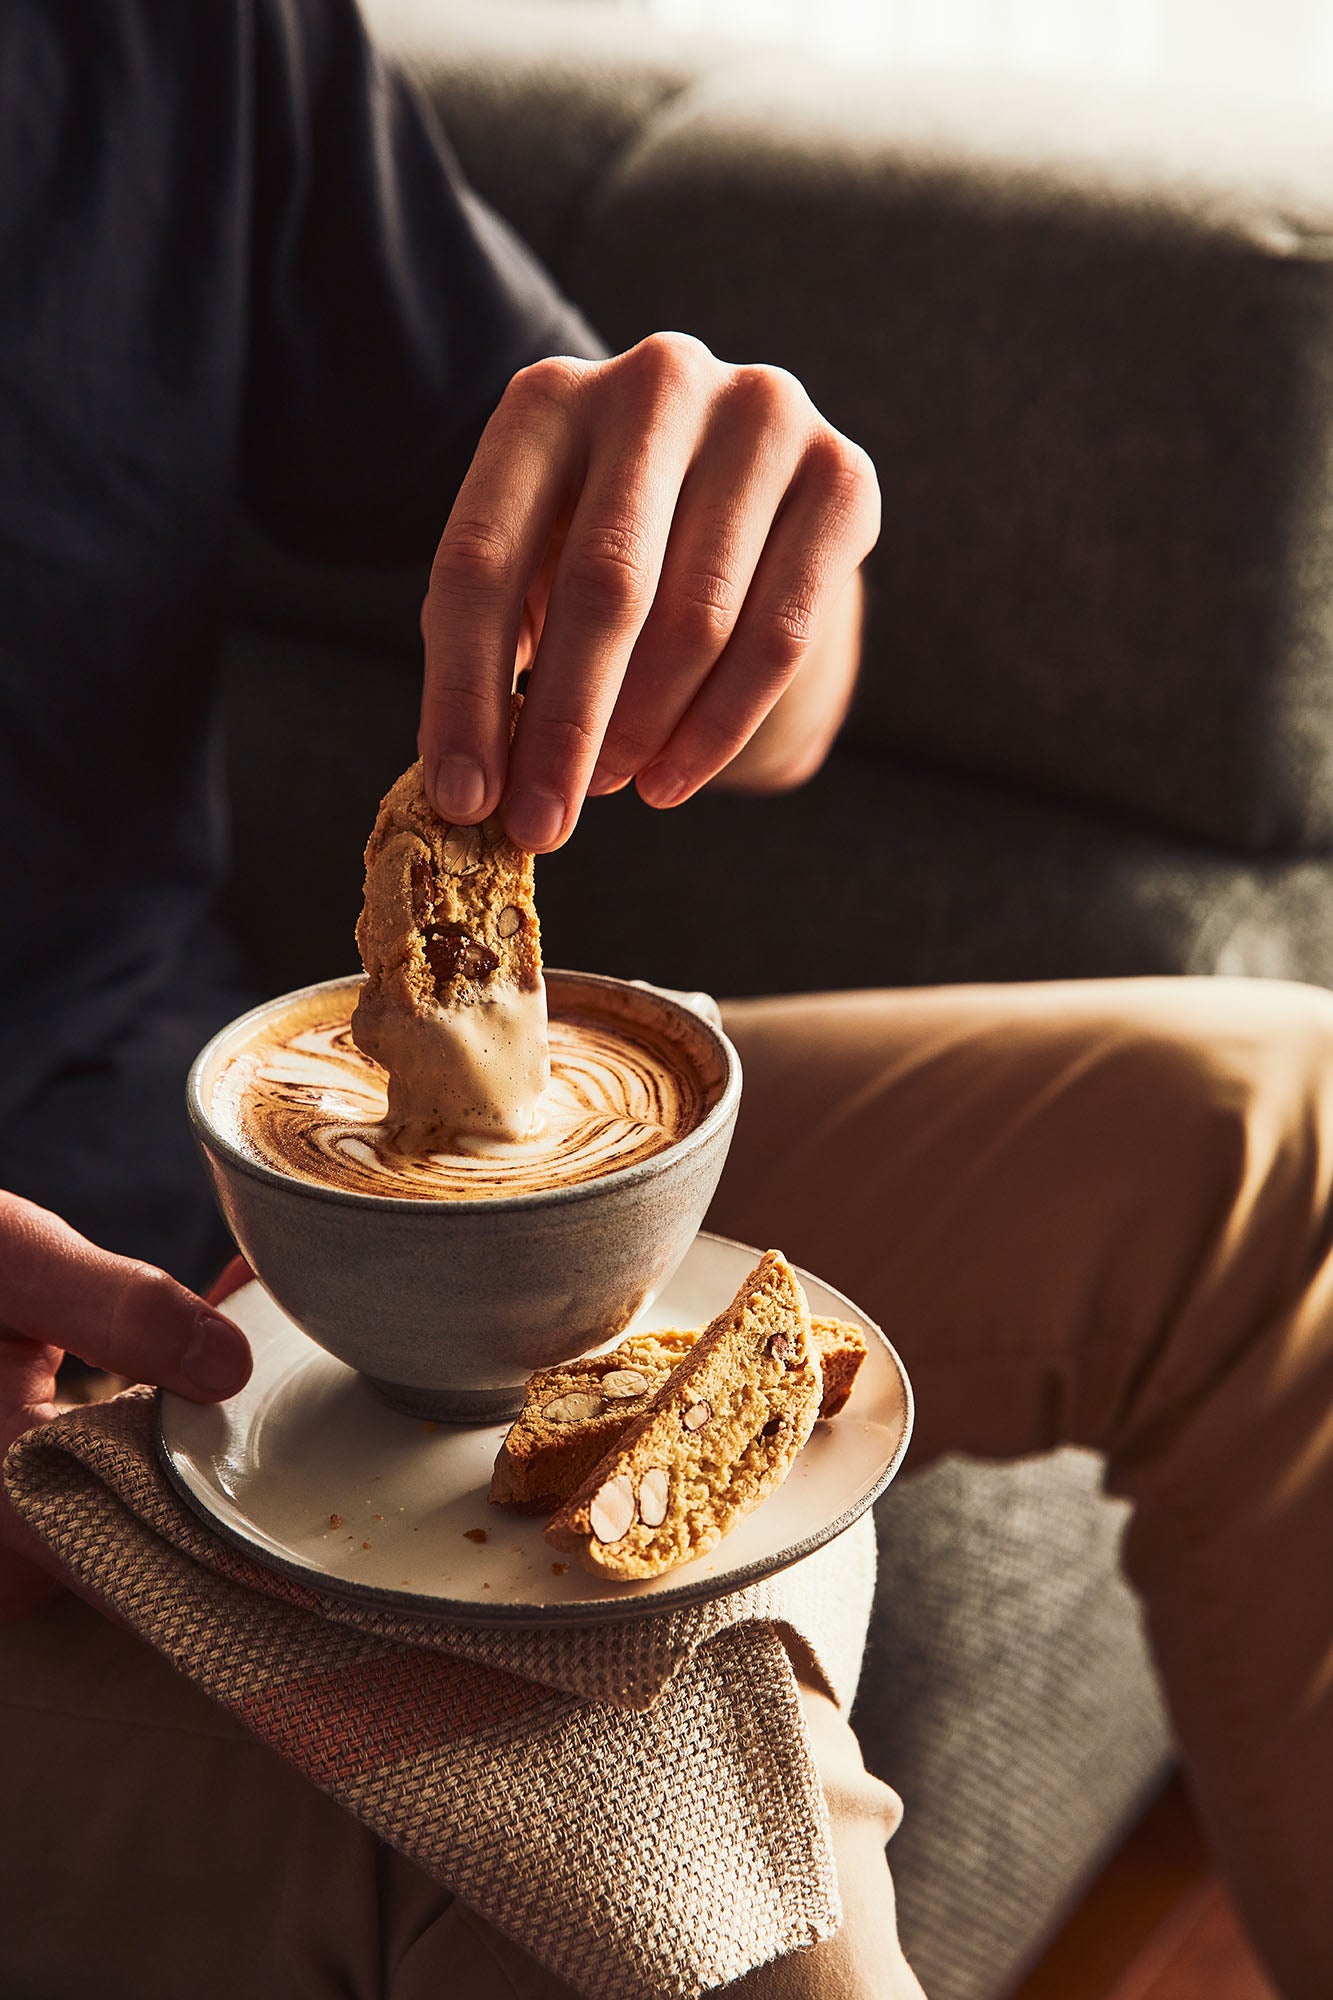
x=451, y=952
x=508, y=921
x=612, y=1510
x=729, y=1386
x=574, y=1408
x=460, y=852
x=653, y=1489
x=622, y=1382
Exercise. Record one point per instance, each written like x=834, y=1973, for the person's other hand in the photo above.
x=58, y=1291
x=671, y=543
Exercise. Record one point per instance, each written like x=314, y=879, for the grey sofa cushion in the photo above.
x=1018, y=1765
x=1089, y=346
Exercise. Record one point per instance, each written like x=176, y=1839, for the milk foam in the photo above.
x=301, y=1097
x=459, y=1073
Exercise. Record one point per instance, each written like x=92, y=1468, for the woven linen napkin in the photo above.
x=634, y=1802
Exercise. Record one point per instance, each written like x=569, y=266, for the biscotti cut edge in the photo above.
x=548, y=1451
x=573, y=1415
x=718, y=1437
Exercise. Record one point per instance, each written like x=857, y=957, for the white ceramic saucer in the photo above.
x=311, y=1474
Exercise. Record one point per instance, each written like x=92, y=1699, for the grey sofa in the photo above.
x=1085, y=339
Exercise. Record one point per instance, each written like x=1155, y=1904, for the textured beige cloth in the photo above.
x=634, y=1802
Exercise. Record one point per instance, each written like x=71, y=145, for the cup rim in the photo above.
x=208, y=1135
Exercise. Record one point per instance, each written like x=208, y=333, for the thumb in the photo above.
x=60, y=1291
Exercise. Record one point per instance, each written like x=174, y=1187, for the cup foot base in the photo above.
x=451, y=1406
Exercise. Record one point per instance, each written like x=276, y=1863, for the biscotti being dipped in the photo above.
x=573, y=1415
x=719, y=1435
x=453, y=1006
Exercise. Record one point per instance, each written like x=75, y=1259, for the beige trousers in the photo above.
x=1085, y=1213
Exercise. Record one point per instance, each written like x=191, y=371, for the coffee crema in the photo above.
x=302, y=1098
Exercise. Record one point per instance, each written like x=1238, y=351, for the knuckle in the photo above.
x=147, y=1286
x=144, y=1294
x=769, y=397
x=609, y=571
x=475, y=545
x=784, y=633
x=714, y=741
x=465, y=711
x=565, y=740
x=666, y=361
x=845, y=472
x=701, y=618
x=627, y=748
x=474, y=553
x=546, y=386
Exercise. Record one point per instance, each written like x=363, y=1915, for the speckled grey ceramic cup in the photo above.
x=447, y=1306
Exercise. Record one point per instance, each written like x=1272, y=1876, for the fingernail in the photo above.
x=216, y=1358
x=460, y=787
x=535, y=817
x=660, y=785
x=604, y=780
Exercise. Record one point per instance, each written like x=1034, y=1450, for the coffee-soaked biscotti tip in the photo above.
x=452, y=1007
x=716, y=1439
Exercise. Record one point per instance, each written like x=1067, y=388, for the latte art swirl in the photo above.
x=302, y=1098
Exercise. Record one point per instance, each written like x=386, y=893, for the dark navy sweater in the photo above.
x=239, y=274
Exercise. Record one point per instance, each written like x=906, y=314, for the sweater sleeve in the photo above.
x=389, y=306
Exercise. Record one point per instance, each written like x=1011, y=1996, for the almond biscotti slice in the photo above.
x=573, y=1415
x=715, y=1440
x=842, y=1349
x=453, y=1005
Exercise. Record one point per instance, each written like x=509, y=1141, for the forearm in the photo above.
x=796, y=735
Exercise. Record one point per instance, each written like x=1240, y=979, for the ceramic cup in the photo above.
x=447, y=1306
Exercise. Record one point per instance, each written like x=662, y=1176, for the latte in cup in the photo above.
x=300, y=1097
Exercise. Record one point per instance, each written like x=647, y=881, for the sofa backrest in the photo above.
x=1086, y=340
x=1085, y=336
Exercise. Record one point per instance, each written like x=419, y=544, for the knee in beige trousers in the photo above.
x=1100, y=1214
